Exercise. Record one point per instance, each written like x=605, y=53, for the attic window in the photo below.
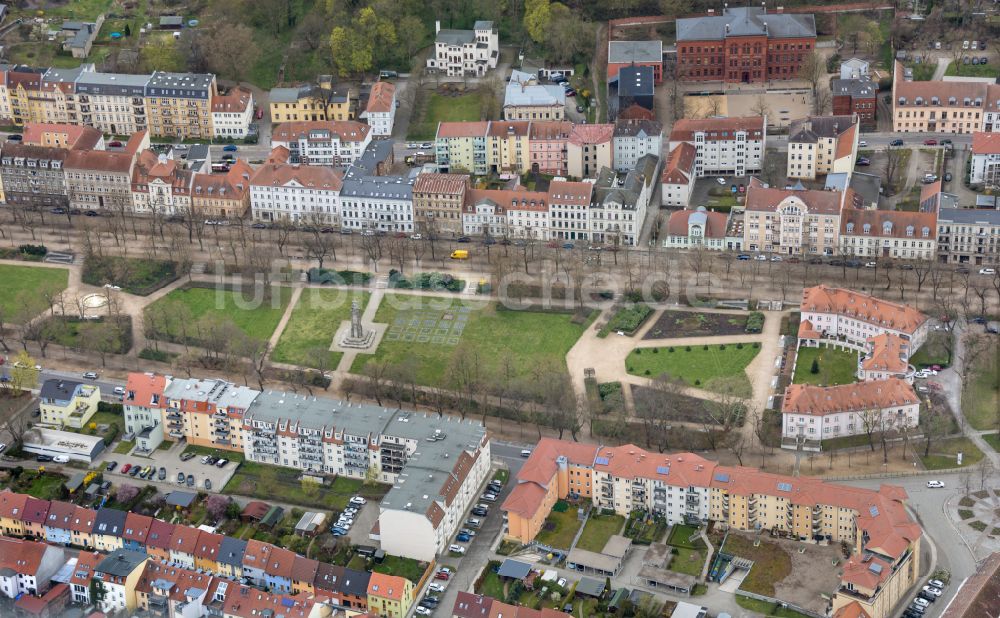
x=952, y=100
x=909, y=230
x=919, y=101
x=850, y=228
x=935, y=101
x=867, y=228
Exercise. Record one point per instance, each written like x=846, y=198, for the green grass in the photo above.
x=598, y=530
x=45, y=485
x=699, y=367
x=258, y=323
x=28, y=280
x=767, y=609
x=530, y=337
x=771, y=563
x=559, y=529
x=972, y=70
x=433, y=108
x=124, y=447
x=993, y=439
x=201, y=451
x=846, y=442
x=688, y=561
x=409, y=568
x=835, y=366
x=282, y=485
x=73, y=332
x=492, y=585
x=679, y=535
x=103, y=418
x=943, y=454
x=628, y=319
x=936, y=350
x=981, y=398
x=78, y=9
x=138, y=276
x=315, y=319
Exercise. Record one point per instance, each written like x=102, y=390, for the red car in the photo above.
x=441, y=575
x=115, y=144
x=126, y=468
x=930, y=142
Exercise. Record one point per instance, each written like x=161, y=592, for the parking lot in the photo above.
x=169, y=459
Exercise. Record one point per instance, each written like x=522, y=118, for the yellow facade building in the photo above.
x=312, y=102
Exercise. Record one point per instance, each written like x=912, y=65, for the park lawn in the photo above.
x=688, y=561
x=268, y=482
x=313, y=323
x=409, y=568
x=771, y=563
x=981, y=398
x=936, y=350
x=434, y=108
x=699, y=367
x=30, y=279
x=598, y=530
x=835, y=367
x=943, y=454
x=71, y=332
x=258, y=323
x=560, y=529
x=530, y=337
x=993, y=439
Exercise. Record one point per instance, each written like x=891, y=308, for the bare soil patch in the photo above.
x=695, y=324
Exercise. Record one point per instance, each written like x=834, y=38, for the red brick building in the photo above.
x=623, y=54
x=744, y=44
x=855, y=96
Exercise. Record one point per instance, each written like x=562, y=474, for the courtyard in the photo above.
x=832, y=366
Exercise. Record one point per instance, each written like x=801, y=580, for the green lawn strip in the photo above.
x=598, y=530
x=679, y=535
x=944, y=454
x=835, y=366
x=560, y=529
x=771, y=563
x=72, y=332
x=124, y=448
x=697, y=367
x=258, y=322
x=957, y=68
x=767, y=609
x=201, y=451
x=491, y=331
x=981, y=397
x=993, y=439
x=29, y=280
x=688, y=561
x=283, y=485
x=936, y=350
x=313, y=323
x=409, y=568
x=433, y=108
x=43, y=485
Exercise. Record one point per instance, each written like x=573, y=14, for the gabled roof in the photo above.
x=679, y=168
x=145, y=390
x=160, y=533
x=713, y=223
x=382, y=99
x=746, y=21
x=208, y=545
x=769, y=199
x=824, y=299
x=36, y=511
x=859, y=397
x=12, y=504
x=317, y=177
x=231, y=551
x=137, y=527
x=21, y=556
x=985, y=143
x=344, y=130
x=388, y=586
x=717, y=129
x=184, y=539
x=109, y=521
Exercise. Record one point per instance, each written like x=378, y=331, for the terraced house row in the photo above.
x=145, y=566
x=684, y=487
x=435, y=465
x=175, y=105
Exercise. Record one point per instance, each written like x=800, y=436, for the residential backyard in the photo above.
x=314, y=321
x=179, y=314
x=936, y=350
x=832, y=366
x=560, y=526
x=30, y=280
x=771, y=563
x=268, y=482
x=433, y=107
x=427, y=331
x=598, y=530
x=696, y=365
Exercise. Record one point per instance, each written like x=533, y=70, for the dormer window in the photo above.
x=850, y=228
x=902, y=100
x=867, y=228
x=919, y=101
x=966, y=101
x=952, y=100
x=925, y=232
x=978, y=102
x=935, y=101
x=887, y=227
x=909, y=230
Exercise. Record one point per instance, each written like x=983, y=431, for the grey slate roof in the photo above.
x=231, y=551
x=456, y=37
x=182, y=499
x=746, y=21
x=868, y=186
x=284, y=95
x=121, y=562
x=624, y=52
x=58, y=390
x=853, y=87
x=635, y=81
x=514, y=569
x=171, y=20
x=190, y=85
x=219, y=392
x=590, y=587
x=358, y=184
x=109, y=521
x=808, y=130
x=638, y=128
x=534, y=94
x=376, y=152
x=483, y=24
x=969, y=216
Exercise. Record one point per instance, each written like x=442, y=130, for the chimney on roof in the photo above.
x=727, y=28
x=437, y=26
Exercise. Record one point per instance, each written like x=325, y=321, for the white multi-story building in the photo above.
x=689, y=229
x=232, y=113
x=569, y=209
x=27, y=567
x=321, y=142
x=160, y=185
x=821, y=145
x=144, y=409
x=678, y=177
x=465, y=52
x=888, y=233
x=634, y=139
x=296, y=193
x=619, y=203
x=506, y=213
x=985, y=166
x=852, y=318
x=822, y=413
x=376, y=202
x=730, y=146
x=380, y=112
x=792, y=221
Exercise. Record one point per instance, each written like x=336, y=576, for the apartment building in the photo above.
x=619, y=202
x=888, y=234
x=112, y=102
x=886, y=356
x=852, y=318
x=792, y=221
x=437, y=202
x=23, y=81
x=65, y=403
x=101, y=180
x=470, y=53
x=390, y=595
x=589, y=149
x=337, y=142
x=679, y=173
x=143, y=406
x=232, y=113
x=507, y=147
x=968, y=236
x=569, y=209
x=634, y=139
x=744, y=45
x=52, y=101
x=180, y=104
x=461, y=147
x=206, y=412
x=984, y=168
x=63, y=135
x=317, y=102
x=380, y=112
x=376, y=202
x=27, y=567
x=281, y=191
x=160, y=185
x=549, y=143
x=690, y=229
x=936, y=106
x=33, y=176
x=857, y=97
x=222, y=196
x=728, y=146
x=506, y=213
x=526, y=99
x=826, y=412
x=118, y=574
x=820, y=145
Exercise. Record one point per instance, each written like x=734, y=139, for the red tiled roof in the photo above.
x=888, y=352
x=985, y=143
x=680, y=165
x=12, y=504
x=823, y=299
x=345, y=130
x=899, y=221
x=447, y=184
x=312, y=176
x=233, y=185
x=565, y=192
x=715, y=223
x=137, y=527
x=857, y=397
x=387, y=586
x=236, y=100
x=507, y=199
x=160, y=533
x=462, y=129
x=768, y=199
x=591, y=133
x=77, y=136
x=381, y=100
x=184, y=539
x=36, y=511
x=21, y=556
x=685, y=129
x=208, y=545
x=144, y=386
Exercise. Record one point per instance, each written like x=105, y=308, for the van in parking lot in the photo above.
x=459, y=254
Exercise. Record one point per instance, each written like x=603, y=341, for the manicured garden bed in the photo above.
x=672, y=324
x=627, y=319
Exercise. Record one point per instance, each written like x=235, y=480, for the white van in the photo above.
x=60, y=459
x=526, y=453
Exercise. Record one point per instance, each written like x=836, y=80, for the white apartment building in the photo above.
x=677, y=181
x=295, y=193
x=792, y=221
x=888, y=233
x=688, y=229
x=618, y=206
x=465, y=52
x=853, y=318
x=985, y=166
x=569, y=209
x=322, y=142
x=822, y=413
x=380, y=113
x=376, y=202
x=161, y=185
x=633, y=139
x=27, y=567
x=729, y=146
x=232, y=113
x=821, y=145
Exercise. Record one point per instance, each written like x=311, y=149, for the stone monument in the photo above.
x=356, y=337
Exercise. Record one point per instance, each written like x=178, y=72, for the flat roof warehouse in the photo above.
x=53, y=442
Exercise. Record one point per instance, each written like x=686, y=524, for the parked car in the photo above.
x=162, y=475
x=180, y=478
x=119, y=390
x=468, y=531
x=526, y=453
x=111, y=466
x=126, y=468
x=935, y=484
x=338, y=531
x=456, y=549
x=190, y=480
x=230, y=148
x=90, y=375
x=864, y=161
x=430, y=601
x=896, y=142
x=358, y=500
x=921, y=602
x=43, y=458
x=60, y=459
x=932, y=591
x=187, y=456
x=947, y=176
x=472, y=522
x=208, y=484
x=937, y=583
x=221, y=463
x=463, y=538
x=743, y=257
x=987, y=271
x=422, y=611
x=441, y=575
x=435, y=587
x=930, y=142
x=135, y=471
